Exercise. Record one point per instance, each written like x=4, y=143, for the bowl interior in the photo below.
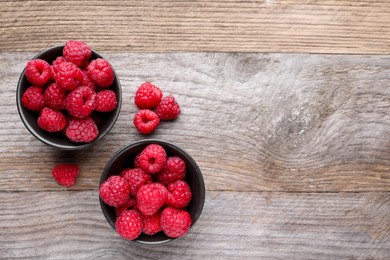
x=125, y=159
x=59, y=140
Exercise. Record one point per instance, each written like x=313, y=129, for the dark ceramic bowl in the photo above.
x=124, y=158
x=59, y=140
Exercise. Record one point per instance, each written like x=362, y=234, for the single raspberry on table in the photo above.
x=68, y=75
x=174, y=169
x=82, y=130
x=168, y=109
x=135, y=178
x=147, y=96
x=38, y=72
x=51, y=120
x=151, y=197
x=131, y=203
x=77, y=52
x=175, y=222
x=151, y=223
x=115, y=191
x=65, y=174
x=153, y=158
x=129, y=224
x=101, y=73
x=179, y=195
x=55, y=96
x=106, y=101
x=81, y=102
x=146, y=121
x=33, y=99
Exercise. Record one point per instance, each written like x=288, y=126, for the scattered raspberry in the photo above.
x=82, y=130
x=51, y=120
x=179, y=195
x=101, y=73
x=151, y=224
x=65, y=174
x=106, y=101
x=129, y=224
x=115, y=191
x=135, y=178
x=128, y=205
x=38, y=72
x=175, y=222
x=168, y=109
x=81, y=102
x=32, y=98
x=174, y=169
x=153, y=158
x=77, y=52
x=55, y=97
x=137, y=164
x=147, y=96
x=146, y=121
x=68, y=76
x=151, y=197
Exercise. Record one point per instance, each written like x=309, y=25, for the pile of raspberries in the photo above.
x=68, y=93
x=151, y=197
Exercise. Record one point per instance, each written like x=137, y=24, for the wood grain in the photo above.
x=253, y=122
x=329, y=26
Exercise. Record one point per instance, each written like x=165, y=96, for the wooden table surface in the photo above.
x=285, y=107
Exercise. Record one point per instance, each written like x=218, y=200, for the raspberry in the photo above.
x=175, y=222
x=168, y=109
x=56, y=63
x=147, y=96
x=128, y=205
x=153, y=158
x=82, y=130
x=174, y=169
x=151, y=197
x=68, y=75
x=65, y=174
x=101, y=73
x=137, y=164
x=135, y=178
x=81, y=102
x=32, y=98
x=115, y=191
x=179, y=195
x=106, y=101
x=38, y=72
x=51, y=120
x=55, y=97
x=87, y=82
x=129, y=224
x=77, y=52
x=151, y=224
x=146, y=121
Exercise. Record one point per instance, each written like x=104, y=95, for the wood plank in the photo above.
x=331, y=26
x=254, y=225
x=253, y=122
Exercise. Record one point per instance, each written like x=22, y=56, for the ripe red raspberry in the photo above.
x=51, y=120
x=131, y=203
x=82, y=130
x=129, y=224
x=179, y=195
x=135, y=178
x=77, y=52
x=151, y=197
x=106, y=101
x=68, y=76
x=175, y=222
x=174, y=169
x=33, y=99
x=168, y=109
x=137, y=163
x=81, y=102
x=55, y=97
x=65, y=174
x=146, y=121
x=153, y=158
x=151, y=224
x=56, y=63
x=115, y=191
x=38, y=72
x=87, y=82
x=147, y=96
x=101, y=73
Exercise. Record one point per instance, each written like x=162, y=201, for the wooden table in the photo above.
x=285, y=107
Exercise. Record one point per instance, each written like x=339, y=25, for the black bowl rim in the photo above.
x=146, y=142
x=53, y=144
